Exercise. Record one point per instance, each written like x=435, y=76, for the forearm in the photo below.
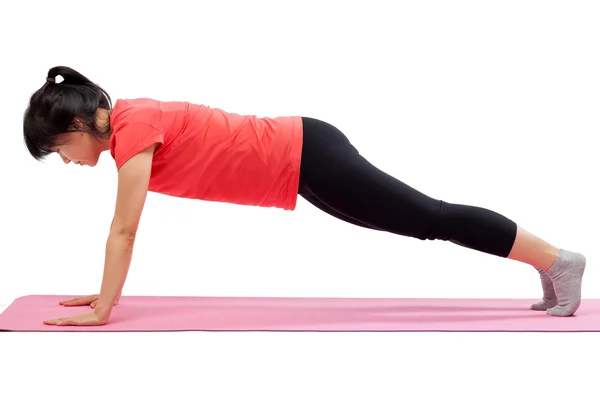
x=119, y=250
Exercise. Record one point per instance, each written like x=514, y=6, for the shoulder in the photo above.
x=134, y=125
x=126, y=111
x=132, y=118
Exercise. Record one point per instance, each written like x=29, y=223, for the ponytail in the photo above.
x=69, y=75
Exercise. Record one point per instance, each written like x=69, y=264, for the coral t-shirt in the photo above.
x=208, y=154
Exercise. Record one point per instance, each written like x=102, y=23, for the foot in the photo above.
x=549, y=298
x=566, y=275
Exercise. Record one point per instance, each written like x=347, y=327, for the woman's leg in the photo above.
x=334, y=171
x=521, y=250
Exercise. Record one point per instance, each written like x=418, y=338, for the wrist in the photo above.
x=102, y=312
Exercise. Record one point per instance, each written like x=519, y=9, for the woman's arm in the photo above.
x=133, y=180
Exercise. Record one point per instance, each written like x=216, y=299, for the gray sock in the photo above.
x=566, y=274
x=549, y=299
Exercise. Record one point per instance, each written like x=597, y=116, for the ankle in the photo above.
x=547, y=259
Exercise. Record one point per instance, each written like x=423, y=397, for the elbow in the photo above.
x=124, y=233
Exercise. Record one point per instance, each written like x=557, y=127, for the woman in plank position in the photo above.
x=194, y=151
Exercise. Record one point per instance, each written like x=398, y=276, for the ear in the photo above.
x=77, y=124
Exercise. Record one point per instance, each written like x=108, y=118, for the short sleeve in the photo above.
x=133, y=138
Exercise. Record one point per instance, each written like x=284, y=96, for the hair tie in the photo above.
x=51, y=79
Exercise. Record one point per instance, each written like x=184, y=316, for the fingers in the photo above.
x=82, y=301
x=62, y=321
x=86, y=319
x=79, y=301
x=56, y=321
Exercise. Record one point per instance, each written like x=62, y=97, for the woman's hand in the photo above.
x=87, y=319
x=85, y=301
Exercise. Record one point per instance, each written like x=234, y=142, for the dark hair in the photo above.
x=54, y=106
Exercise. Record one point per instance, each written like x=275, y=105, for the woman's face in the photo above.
x=80, y=148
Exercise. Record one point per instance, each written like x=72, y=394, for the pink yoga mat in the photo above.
x=141, y=313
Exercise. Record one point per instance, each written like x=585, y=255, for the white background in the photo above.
x=486, y=103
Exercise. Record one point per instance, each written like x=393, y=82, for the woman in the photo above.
x=194, y=151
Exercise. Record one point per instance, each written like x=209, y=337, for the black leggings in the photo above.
x=338, y=180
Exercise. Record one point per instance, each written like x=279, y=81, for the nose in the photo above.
x=65, y=159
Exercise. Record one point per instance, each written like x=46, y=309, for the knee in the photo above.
x=436, y=222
